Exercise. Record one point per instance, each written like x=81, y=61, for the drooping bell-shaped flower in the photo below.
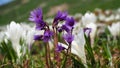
x=47, y=35
x=69, y=24
x=68, y=38
x=70, y=21
x=60, y=17
x=36, y=15
x=59, y=47
x=38, y=37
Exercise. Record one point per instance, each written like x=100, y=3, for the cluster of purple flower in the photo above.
x=37, y=17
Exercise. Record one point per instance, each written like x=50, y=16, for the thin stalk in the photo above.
x=46, y=57
x=56, y=54
x=49, y=56
x=55, y=42
x=68, y=52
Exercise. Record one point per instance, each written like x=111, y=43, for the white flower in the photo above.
x=14, y=33
x=101, y=17
x=29, y=38
x=115, y=29
x=93, y=26
x=78, y=46
x=110, y=18
x=1, y=36
x=29, y=34
x=88, y=18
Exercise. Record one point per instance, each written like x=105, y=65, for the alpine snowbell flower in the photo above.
x=60, y=47
x=37, y=17
x=66, y=28
x=70, y=21
x=69, y=24
x=41, y=25
x=68, y=38
x=60, y=17
x=47, y=35
x=38, y=37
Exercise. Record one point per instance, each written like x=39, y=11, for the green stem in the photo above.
x=68, y=52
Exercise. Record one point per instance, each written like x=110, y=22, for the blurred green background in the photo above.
x=19, y=10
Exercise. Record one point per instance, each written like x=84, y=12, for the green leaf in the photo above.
x=77, y=64
x=9, y=51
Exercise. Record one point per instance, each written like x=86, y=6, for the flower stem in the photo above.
x=56, y=54
x=66, y=56
x=49, y=56
x=46, y=57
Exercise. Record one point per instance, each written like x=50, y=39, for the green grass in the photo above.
x=21, y=12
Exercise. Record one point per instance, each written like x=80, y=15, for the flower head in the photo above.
x=87, y=31
x=59, y=48
x=41, y=25
x=66, y=28
x=59, y=29
x=70, y=21
x=60, y=17
x=36, y=15
x=18, y=32
x=115, y=29
x=47, y=35
x=69, y=24
x=38, y=37
x=68, y=37
x=88, y=18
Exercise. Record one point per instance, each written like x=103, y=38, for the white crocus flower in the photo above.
x=110, y=18
x=88, y=18
x=89, y=21
x=78, y=46
x=14, y=33
x=93, y=26
x=101, y=17
x=30, y=38
x=2, y=34
x=115, y=29
x=29, y=34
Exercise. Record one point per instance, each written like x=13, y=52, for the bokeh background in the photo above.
x=19, y=10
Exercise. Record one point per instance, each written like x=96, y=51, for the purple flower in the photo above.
x=68, y=38
x=47, y=35
x=87, y=31
x=59, y=48
x=36, y=15
x=41, y=25
x=60, y=17
x=70, y=21
x=59, y=29
x=38, y=37
x=67, y=28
